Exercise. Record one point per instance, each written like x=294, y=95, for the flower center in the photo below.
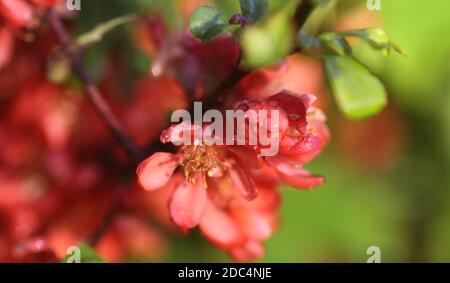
x=201, y=159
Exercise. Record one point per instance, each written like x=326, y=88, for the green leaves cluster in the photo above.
x=269, y=38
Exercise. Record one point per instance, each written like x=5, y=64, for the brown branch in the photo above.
x=302, y=13
x=94, y=94
x=96, y=235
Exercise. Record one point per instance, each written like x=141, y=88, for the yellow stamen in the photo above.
x=201, y=159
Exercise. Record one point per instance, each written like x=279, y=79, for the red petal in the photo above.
x=285, y=165
x=294, y=107
x=268, y=200
x=243, y=182
x=308, y=100
x=6, y=46
x=156, y=171
x=46, y=3
x=252, y=223
x=294, y=176
x=219, y=228
x=188, y=203
x=320, y=129
x=17, y=12
x=303, y=181
x=252, y=250
x=244, y=156
x=301, y=149
x=184, y=133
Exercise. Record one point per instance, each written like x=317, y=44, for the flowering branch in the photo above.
x=214, y=97
x=94, y=93
x=302, y=12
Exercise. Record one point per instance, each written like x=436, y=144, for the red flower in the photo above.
x=197, y=66
x=300, y=141
x=6, y=46
x=201, y=163
x=17, y=15
x=220, y=194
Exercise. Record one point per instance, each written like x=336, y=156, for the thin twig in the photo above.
x=94, y=94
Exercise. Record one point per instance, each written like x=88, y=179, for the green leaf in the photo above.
x=335, y=43
x=85, y=252
x=321, y=2
x=308, y=42
x=326, y=43
x=254, y=10
x=206, y=23
x=376, y=37
x=269, y=40
x=96, y=34
x=358, y=93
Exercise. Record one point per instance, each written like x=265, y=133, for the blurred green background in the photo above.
x=396, y=198
x=404, y=206
x=401, y=206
